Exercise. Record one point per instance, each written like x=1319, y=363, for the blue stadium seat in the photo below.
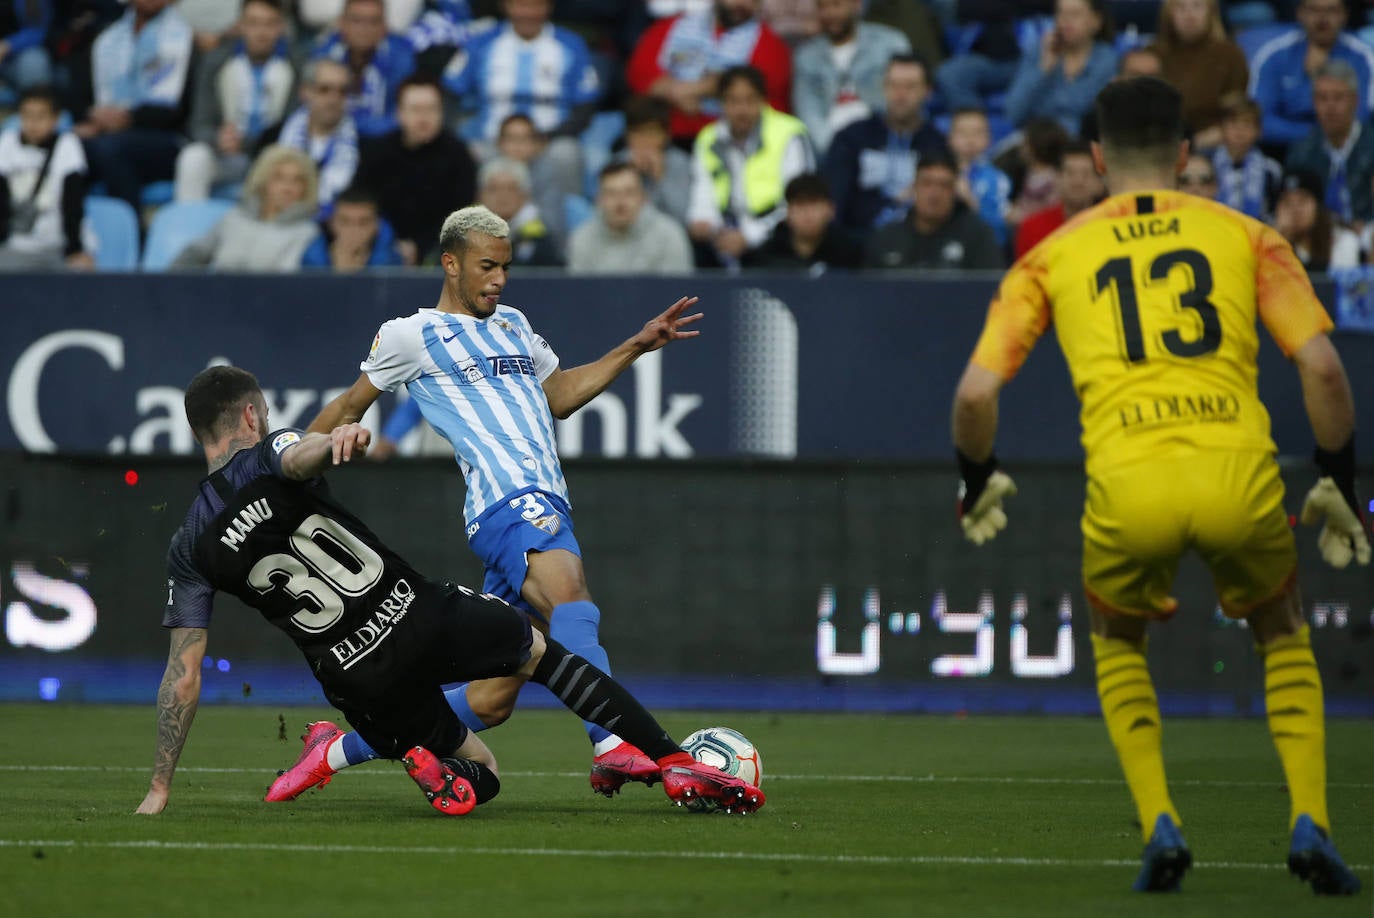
x=1253, y=38
x=115, y=227
x=155, y=194
x=177, y=225
x=576, y=211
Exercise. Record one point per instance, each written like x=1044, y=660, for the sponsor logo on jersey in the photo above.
x=511, y=364
x=247, y=519
x=368, y=636
x=284, y=440
x=469, y=371
x=1181, y=408
x=472, y=530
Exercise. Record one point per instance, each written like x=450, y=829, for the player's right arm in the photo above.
x=348, y=408
x=177, y=700
x=392, y=361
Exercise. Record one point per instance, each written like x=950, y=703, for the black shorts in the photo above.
x=450, y=635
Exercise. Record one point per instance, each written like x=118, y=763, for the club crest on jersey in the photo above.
x=548, y=523
x=284, y=440
x=504, y=325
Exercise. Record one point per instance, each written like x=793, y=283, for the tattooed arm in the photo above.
x=176, y=708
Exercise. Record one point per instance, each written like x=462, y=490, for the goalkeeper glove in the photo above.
x=981, y=490
x=1333, y=501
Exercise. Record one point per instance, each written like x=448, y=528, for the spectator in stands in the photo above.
x=985, y=60
x=1033, y=167
x=666, y=169
x=1282, y=69
x=24, y=60
x=794, y=21
x=377, y=62
x=243, y=90
x=42, y=189
x=628, y=235
x=681, y=60
x=1300, y=217
x=917, y=21
x=420, y=173
x=323, y=129
x=741, y=165
x=1062, y=77
x=503, y=187
x=320, y=15
x=213, y=22
x=139, y=70
x=939, y=232
x=870, y=165
x=1247, y=180
x=1138, y=61
x=1199, y=177
x=982, y=187
x=808, y=238
x=1339, y=148
x=530, y=66
x=520, y=140
x=354, y=237
x=273, y=224
x=1080, y=187
x=444, y=27
x=839, y=73
x=1201, y=62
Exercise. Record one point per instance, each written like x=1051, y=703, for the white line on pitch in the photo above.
x=901, y=779
x=875, y=859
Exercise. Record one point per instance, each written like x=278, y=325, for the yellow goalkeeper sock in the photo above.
x=1293, y=700
x=1131, y=710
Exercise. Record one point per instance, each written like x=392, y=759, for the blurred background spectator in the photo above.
x=1139, y=61
x=354, y=237
x=982, y=187
x=666, y=169
x=377, y=62
x=871, y=164
x=1061, y=76
x=503, y=186
x=42, y=189
x=939, y=232
x=1201, y=62
x=808, y=238
x=680, y=60
x=741, y=165
x=419, y=172
x=140, y=69
x=1247, y=180
x=987, y=50
x=323, y=129
x=213, y=22
x=24, y=60
x=520, y=140
x=628, y=235
x=1032, y=164
x=243, y=91
x=1300, y=217
x=273, y=224
x=1199, y=177
x=322, y=15
x=1079, y=187
x=838, y=75
x=1339, y=148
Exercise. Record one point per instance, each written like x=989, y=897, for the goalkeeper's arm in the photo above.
x=982, y=485
x=1331, y=411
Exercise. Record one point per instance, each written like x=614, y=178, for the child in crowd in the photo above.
x=1247, y=180
x=983, y=187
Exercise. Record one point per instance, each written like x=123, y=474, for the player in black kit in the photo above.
x=381, y=638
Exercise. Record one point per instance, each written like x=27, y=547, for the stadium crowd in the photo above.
x=625, y=136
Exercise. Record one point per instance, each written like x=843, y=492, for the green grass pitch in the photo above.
x=867, y=815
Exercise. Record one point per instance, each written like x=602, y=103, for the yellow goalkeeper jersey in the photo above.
x=1154, y=298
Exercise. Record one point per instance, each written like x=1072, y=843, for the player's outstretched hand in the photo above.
x=350, y=440
x=154, y=803
x=1342, y=537
x=667, y=326
x=984, y=518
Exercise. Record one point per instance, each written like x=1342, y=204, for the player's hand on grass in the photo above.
x=154, y=803
x=667, y=326
x=350, y=440
x=1342, y=537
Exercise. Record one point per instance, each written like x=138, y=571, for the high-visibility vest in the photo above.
x=763, y=185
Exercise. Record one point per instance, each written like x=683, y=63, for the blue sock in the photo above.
x=356, y=750
x=574, y=625
x=457, y=698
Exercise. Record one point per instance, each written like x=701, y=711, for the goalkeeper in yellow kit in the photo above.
x=1154, y=297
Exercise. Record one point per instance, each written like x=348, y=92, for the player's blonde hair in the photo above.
x=461, y=224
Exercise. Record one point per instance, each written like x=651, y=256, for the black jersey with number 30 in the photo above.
x=313, y=569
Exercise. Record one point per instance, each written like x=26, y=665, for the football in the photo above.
x=727, y=750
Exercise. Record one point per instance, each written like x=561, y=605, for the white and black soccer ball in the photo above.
x=726, y=749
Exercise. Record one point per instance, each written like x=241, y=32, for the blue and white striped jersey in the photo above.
x=479, y=383
x=545, y=78
x=149, y=67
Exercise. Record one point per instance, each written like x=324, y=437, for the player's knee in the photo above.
x=1277, y=618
